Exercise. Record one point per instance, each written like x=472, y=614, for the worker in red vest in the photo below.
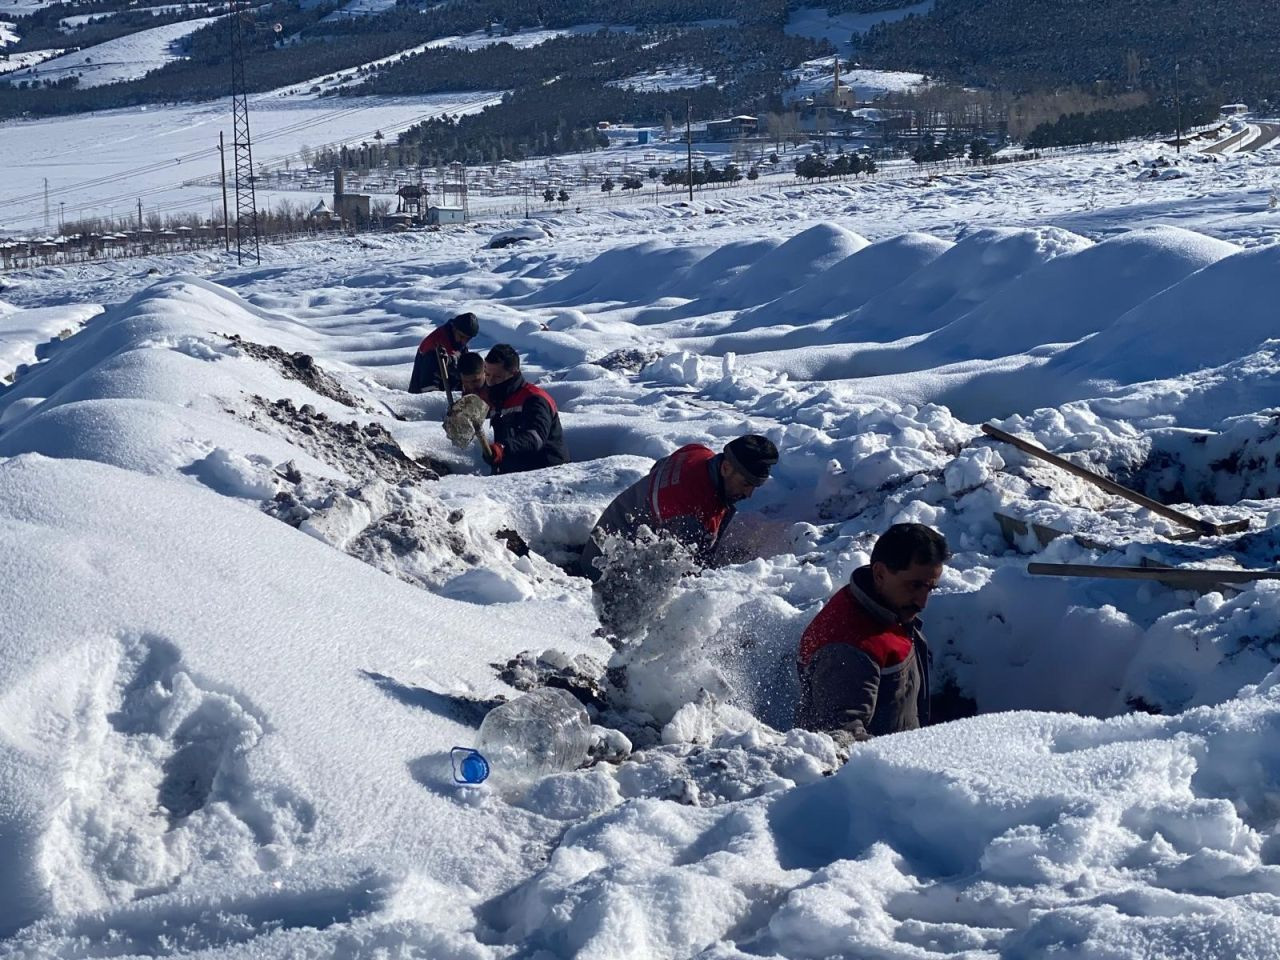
x=441, y=348
x=689, y=495
x=863, y=661
x=526, y=424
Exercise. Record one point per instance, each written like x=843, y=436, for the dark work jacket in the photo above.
x=861, y=670
x=426, y=365
x=526, y=424
x=682, y=496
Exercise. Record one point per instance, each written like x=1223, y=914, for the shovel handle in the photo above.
x=444, y=377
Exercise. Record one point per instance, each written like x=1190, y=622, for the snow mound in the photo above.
x=1210, y=318
x=851, y=282
x=522, y=234
x=1073, y=296
x=1213, y=317
x=980, y=264
x=622, y=274
x=795, y=262
x=1098, y=837
x=161, y=747
x=717, y=269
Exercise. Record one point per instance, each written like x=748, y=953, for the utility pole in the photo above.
x=688, y=136
x=139, y=213
x=226, y=221
x=46, y=204
x=1177, y=100
x=242, y=144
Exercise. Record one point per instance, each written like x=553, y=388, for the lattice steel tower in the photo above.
x=246, y=201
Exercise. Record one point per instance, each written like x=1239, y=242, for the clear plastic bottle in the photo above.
x=538, y=733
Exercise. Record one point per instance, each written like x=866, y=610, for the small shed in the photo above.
x=439, y=216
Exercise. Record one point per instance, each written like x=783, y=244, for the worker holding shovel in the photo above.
x=464, y=421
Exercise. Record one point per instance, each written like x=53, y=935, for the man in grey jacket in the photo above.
x=863, y=661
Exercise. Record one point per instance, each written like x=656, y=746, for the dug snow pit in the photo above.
x=465, y=420
x=301, y=367
x=362, y=451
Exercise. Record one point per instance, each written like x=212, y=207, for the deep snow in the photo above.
x=245, y=624
x=124, y=58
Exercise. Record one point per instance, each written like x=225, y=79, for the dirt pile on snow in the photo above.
x=405, y=530
x=301, y=367
x=629, y=359
x=360, y=450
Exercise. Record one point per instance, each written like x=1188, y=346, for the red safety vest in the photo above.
x=843, y=620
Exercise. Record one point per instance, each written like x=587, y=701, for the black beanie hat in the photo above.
x=466, y=324
x=752, y=455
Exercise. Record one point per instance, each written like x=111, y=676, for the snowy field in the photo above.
x=817, y=23
x=21, y=8
x=243, y=627
x=31, y=58
x=124, y=58
x=79, y=20
x=102, y=163
x=816, y=76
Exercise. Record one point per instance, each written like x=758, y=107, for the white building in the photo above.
x=438, y=216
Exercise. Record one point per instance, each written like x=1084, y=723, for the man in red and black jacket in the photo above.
x=526, y=424
x=863, y=661
x=442, y=347
x=689, y=495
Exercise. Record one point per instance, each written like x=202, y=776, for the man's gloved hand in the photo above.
x=493, y=456
x=845, y=739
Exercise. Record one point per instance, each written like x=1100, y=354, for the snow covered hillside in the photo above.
x=838, y=28
x=125, y=58
x=254, y=596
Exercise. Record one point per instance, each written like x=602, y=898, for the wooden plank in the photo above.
x=1204, y=527
x=1177, y=576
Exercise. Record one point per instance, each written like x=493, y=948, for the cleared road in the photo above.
x=1240, y=140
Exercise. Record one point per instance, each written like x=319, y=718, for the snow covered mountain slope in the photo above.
x=125, y=58
x=253, y=596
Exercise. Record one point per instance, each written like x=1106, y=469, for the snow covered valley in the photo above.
x=253, y=596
